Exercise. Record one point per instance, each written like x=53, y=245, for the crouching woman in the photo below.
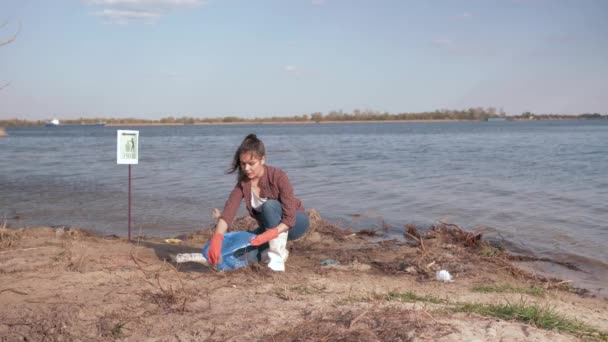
x=269, y=199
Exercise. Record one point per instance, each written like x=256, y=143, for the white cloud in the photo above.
x=463, y=16
x=442, y=42
x=126, y=15
x=124, y=11
x=146, y=3
x=290, y=68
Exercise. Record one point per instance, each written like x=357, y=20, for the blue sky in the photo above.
x=158, y=58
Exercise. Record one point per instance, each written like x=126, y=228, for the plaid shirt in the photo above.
x=274, y=184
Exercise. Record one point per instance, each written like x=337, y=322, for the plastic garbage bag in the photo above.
x=235, y=251
x=444, y=276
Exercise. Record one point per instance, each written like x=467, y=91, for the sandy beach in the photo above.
x=67, y=284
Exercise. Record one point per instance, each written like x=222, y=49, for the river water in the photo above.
x=540, y=186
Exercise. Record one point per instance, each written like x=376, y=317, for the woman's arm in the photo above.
x=288, y=202
x=282, y=227
x=221, y=227
x=230, y=208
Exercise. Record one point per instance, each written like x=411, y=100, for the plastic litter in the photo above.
x=329, y=262
x=444, y=276
x=189, y=257
x=235, y=248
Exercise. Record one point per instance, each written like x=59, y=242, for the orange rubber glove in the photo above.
x=215, y=248
x=266, y=236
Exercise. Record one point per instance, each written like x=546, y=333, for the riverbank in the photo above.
x=65, y=284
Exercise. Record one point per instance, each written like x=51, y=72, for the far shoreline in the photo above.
x=288, y=122
x=310, y=122
x=285, y=122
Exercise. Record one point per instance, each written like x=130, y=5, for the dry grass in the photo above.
x=8, y=237
x=374, y=324
x=170, y=298
x=112, y=326
x=296, y=292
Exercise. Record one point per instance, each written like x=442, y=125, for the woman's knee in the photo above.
x=301, y=227
x=271, y=206
x=271, y=213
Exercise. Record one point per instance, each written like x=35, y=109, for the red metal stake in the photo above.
x=129, y=202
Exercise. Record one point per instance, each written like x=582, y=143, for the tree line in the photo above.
x=471, y=114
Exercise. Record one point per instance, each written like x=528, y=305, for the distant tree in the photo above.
x=231, y=119
x=316, y=117
x=526, y=115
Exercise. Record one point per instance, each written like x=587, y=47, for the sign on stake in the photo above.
x=127, y=152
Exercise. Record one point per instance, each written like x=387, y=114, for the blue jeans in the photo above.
x=270, y=215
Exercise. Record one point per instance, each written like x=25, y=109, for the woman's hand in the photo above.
x=266, y=236
x=215, y=248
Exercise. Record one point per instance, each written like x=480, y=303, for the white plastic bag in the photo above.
x=190, y=257
x=444, y=276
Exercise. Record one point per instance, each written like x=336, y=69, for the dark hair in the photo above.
x=251, y=144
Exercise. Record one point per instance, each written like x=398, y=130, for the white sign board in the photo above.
x=127, y=151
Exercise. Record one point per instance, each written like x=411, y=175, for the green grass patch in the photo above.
x=489, y=251
x=117, y=329
x=533, y=291
x=411, y=297
x=544, y=317
x=404, y=297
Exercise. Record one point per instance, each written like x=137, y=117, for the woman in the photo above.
x=269, y=199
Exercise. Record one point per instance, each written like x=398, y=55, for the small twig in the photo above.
x=159, y=285
x=142, y=270
x=451, y=225
x=549, y=285
x=419, y=240
x=79, y=269
x=15, y=291
x=428, y=314
x=184, y=304
x=350, y=326
x=10, y=324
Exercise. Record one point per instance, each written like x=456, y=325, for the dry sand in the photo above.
x=64, y=285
